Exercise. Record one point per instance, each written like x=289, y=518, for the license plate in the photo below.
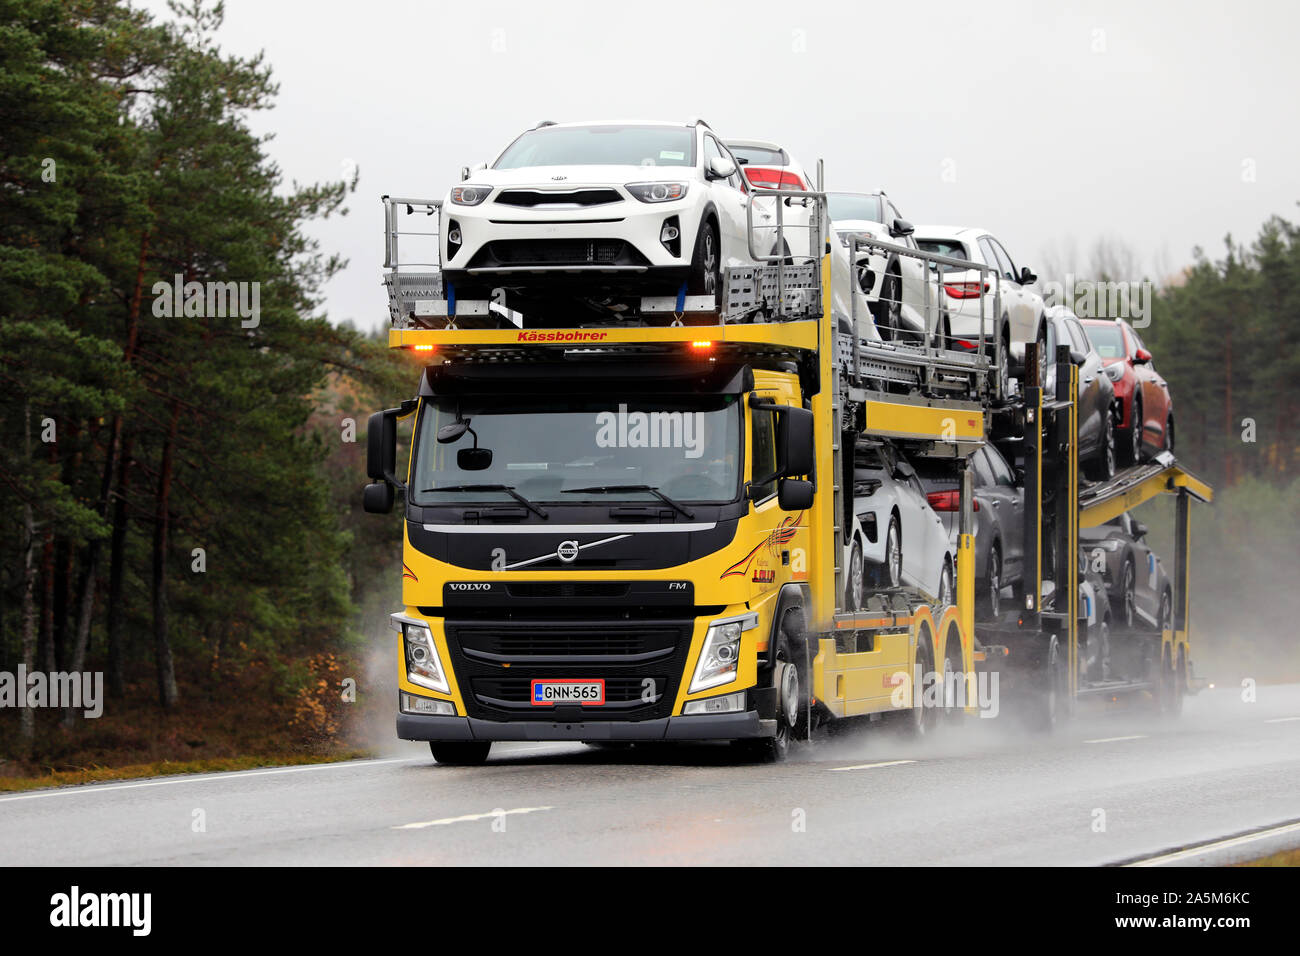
x=547, y=693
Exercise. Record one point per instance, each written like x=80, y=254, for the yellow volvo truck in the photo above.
x=638, y=528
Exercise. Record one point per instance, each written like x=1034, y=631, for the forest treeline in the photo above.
x=179, y=478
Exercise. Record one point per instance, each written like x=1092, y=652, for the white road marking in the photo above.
x=1205, y=848
x=1115, y=740
x=872, y=766
x=467, y=818
x=1281, y=720
x=203, y=777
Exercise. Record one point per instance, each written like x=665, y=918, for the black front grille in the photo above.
x=539, y=197
x=565, y=589
x=566, y=640
x=497, y=660
x=561, y=252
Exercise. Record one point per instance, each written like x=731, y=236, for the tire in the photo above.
x=946, y=588
x=1179, y=689
x=460, y=753
x=944, y=338
x=952, y=673
x=855, y=587
x=792, y=703
x=1165, y=622
x=1169, y=434
x=890, y=574
x=1051, y=695
x=922, y=720
x=1133, y=448
x=706, y=263
x=1103, y=463
x=1004, y=373
x=1128, y=594
x=887, y=310
x=989, y=603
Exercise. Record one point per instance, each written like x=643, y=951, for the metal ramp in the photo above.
x=1102, y=501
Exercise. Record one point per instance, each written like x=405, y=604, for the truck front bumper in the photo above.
x=694, y=727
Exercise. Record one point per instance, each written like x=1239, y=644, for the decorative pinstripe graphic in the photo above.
x=783, y=534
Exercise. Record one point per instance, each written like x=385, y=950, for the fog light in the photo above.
x=454, y=237
x=423, y=705
x=669, y=234
x=726, y=704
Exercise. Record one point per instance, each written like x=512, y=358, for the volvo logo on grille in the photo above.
x=470, y=587
x=567, y=551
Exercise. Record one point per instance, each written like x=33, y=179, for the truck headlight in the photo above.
x=470, y=195
x=656, y=192
x=720, y=659
x=423, y=666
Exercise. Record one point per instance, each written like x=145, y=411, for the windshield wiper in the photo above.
x=508, y=489
x=615, y=489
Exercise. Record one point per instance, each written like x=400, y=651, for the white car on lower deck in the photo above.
x=623, y=206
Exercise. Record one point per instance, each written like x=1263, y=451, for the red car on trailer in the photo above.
x=1142, y=393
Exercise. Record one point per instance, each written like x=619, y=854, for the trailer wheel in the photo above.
x=1052, y=702
x=460, y=753
x=1179, y=689
x=953, y=676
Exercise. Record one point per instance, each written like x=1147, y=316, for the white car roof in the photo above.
x=950, y=232
x=617, y=122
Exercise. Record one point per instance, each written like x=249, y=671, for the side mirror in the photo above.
x=900, y=228
x=377, y=498
x=474, y=459
x=1141, y=357
x=1139, y=530
x=464, y=173
x=1078, y=358
x=793, y=494
x=452, y=431
x=796, y=449
x=381, y=446
x=720, y=168
x=1027, y=277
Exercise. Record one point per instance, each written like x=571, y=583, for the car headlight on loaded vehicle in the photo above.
x=423, y=665
x=719, y=661
x=467, y=195
x=657, y=192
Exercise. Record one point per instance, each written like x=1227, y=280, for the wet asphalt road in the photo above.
x=1110, y=787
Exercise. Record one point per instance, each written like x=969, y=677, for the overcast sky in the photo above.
x=1164, y=125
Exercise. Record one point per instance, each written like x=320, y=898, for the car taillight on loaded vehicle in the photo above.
x=763, y=177
x=964, y=290
x=948, y=501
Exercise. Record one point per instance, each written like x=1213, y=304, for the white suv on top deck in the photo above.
x=625, y=206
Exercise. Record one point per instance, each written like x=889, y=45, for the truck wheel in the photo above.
x=923, y=718
x=791, y=702
x=706, y=269
x=460, y=753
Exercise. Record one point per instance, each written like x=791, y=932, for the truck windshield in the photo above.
x=546, y=450
x=601, y=146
